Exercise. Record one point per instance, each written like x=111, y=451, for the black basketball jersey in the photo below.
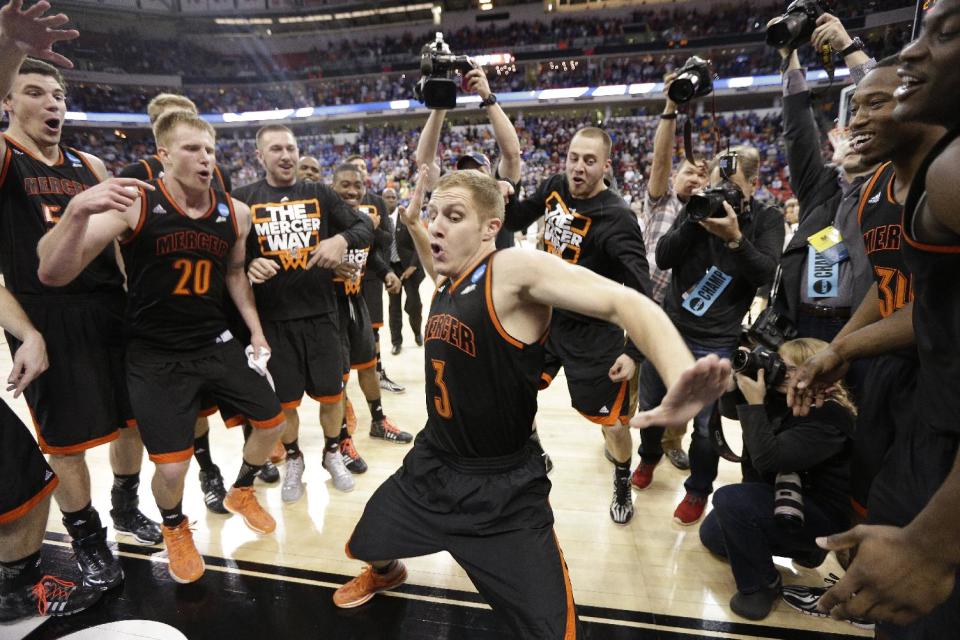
x=176, y=274
x=481, y=383
x=880, y=217
x=936, y=310
x=150, y=168
x=33, y=196
x=382, y=235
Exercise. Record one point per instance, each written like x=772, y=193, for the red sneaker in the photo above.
x=642, y=475
x=690, y=510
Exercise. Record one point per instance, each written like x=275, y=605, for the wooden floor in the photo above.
x=651, y=578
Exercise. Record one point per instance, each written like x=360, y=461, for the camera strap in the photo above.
x=718, y=439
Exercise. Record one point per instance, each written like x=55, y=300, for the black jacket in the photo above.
x=406, y=249
x=821, y=195
x=818, y=446
x=690, y=251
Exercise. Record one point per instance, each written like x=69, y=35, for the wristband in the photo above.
x=489, y=101
x=668, y=116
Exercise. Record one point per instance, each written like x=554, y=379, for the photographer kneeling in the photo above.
x=796, y=477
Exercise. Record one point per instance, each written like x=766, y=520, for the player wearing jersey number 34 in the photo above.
x=474, y=483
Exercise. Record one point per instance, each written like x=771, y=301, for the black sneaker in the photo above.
x=389, y=385
x=49, y=597
x=211, y=482
x=98, y=566
x=133, y=523
x=756, y=605
x=418, y=339
x=386, y=430
x=621, y=507
x=678, y=458
x=351, y=457
x=805, y=599
x=269, y=472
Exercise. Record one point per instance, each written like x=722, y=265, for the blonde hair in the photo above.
x=802, y=349
x=484, y=191
x=169, y=121
x=597, y=134
x=165, y=101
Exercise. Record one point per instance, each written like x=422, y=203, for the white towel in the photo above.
x=259, y=363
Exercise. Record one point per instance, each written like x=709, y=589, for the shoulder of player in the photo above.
x=941, y=183
x=518, y=266
x=95, y=164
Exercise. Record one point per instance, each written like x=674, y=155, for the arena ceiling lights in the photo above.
x=352, y=15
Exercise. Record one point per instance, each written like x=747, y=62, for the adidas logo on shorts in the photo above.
x=604, y=411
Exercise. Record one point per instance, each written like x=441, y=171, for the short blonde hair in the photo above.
x=597, y=134
x=172, y=119
x=484, y=191
x=166, y=101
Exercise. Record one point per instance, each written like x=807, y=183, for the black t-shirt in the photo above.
x=729, y=278
x=936, y=310
x=378, y=263
x=151, y=168
x=33, y=196
x=288, y=223
x=176, y=276
x=481, y=384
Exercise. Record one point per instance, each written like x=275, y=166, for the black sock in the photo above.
x=127, y=484
x=292, y=448
x=621, y=469
x=376, y=409
x=331, y=444
x=20, y=574
x=247, y=473
x=123, y=494
x=172, y=517
x=387, y=569
x=379, y=362
x=82, y=523
x=343, y=433
x=201, y=451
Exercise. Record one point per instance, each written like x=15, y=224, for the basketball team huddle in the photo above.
x=137, y=306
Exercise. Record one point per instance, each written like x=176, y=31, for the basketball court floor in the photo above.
x=649, y=579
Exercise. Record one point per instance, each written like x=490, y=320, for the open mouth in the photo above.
x=909, y=83
x=860, y=141
x=435, y=249
x=205, y=174
x=53, y=124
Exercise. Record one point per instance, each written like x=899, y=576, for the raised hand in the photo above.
x=411, y=213
x=698, y=386
x=114, y=194
x=33, y=33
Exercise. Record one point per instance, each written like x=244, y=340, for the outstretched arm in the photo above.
x=544, y=279
x=427, y=145
x=91, y=221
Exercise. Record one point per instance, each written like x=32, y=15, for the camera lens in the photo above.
x=683, y=88
x=740, y=360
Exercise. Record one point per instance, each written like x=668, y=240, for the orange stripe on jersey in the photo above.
x=86, y=162
x=233, y=216
x=219, y=175
x=865, y=194
x=176, y=205
x=328, y=399
x=26, y=507
x=20, y=147
x=7, y=155
x=233, y=421
x=923, y=246
x=488, y=286
x=363, y=365
x=141, y=220
x=146, y=165
x=466, y=273
x=268, y=424
x=174, y=456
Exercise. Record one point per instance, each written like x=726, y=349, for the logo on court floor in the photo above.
x=564, y=229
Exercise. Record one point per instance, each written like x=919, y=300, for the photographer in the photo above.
x=718, y=264
x=662, y=201
x=772, y=513
x=508, y=166
x=827, y=195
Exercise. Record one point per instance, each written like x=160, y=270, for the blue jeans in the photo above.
x=742, y=529
x=703, y=455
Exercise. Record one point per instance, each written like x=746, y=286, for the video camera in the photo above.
x=694, y=80
x=709, y=202
x=796, y=25
x=436, y=88
x=749, y=363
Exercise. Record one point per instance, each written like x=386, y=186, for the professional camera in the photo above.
x=788, y=501
x=436, y=88
x=694, y=80
x=771, y=329
x=709, y=202
x=796, y=25
x=750, y=362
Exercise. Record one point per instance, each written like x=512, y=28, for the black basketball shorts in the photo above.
x=167, y=396
x=24, y=473
x=356, y=334
x=81, y=400
x=586, y=351
x=306, y=357
x=492, y=516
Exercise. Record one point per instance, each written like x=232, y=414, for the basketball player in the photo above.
x=28, y=482
x=474, y=483
x=297, y=305
x=308, y=169
x=356, y=333
x=905, y=570
x=589, y=225
x=81, y=401
x=183, y=246
x=211, y=480
x=372, y=286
